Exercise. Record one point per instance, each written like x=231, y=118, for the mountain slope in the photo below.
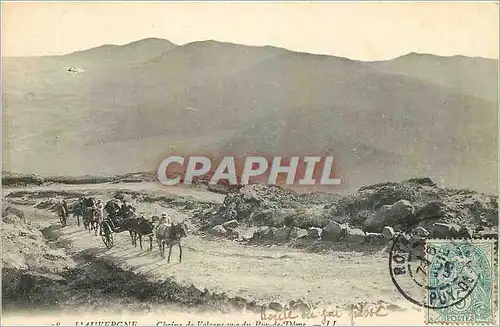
x=475, y=76
x=126, y=114
x=134, y=51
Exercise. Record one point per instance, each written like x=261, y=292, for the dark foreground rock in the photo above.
x=401, y=212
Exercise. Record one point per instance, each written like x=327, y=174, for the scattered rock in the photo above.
x=355, y=235
x=427, y=181
x=388, y=233
x=450, y=230
x=299, y=306
x=239, y=302
x=264, y=233
x=275, y=306
x=194, y=291
x=375, y=239
x=433, y=209
x=232, y=233
x=420, y=232
x=282, y=234
x=218, y=230
x=333, y=232
x=231, y=224
x=314, y=233
x=286, y=234
x=301, y=233
x=389, y=215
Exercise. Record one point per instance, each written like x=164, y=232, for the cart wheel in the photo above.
x=106, y=234
x=108, y=240
x=61, y=219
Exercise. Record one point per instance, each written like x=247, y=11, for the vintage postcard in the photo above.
x=249, y=163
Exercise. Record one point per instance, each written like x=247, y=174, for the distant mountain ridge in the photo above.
x=138, y=49
x=136, y=103
x=448, y=71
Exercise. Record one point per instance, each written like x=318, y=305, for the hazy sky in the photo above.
x=365, y=31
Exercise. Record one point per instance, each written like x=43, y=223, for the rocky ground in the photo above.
x=256, y=247
x=358, y=218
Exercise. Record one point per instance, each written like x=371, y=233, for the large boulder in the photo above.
x=314, y=233
x=433, y=209
x=450, y=230
x=355, y=235
x=334, y=232
x=401, y=212
x=264, y=233
x=288, y=233
x=375, y=239
x=283, y=234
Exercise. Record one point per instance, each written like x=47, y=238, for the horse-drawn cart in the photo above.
x=137, y=227
x=108, y=228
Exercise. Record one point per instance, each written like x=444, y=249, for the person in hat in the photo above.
x=100, y=207
x=164, y=219
x=126, y=210
x=65, y=205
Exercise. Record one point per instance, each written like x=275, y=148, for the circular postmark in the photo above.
x=433, y=273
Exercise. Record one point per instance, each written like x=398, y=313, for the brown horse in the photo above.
x=170, y=235
x=92, y=219
x=78, y=209
x=142, y=227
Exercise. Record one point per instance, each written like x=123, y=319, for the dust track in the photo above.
x=259, y=273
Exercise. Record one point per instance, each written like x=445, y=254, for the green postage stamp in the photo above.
x=461, y=277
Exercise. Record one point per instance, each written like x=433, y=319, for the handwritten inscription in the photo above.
x=364, y=310
x=328, y=317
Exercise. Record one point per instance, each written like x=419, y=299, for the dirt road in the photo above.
x=259, y=273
